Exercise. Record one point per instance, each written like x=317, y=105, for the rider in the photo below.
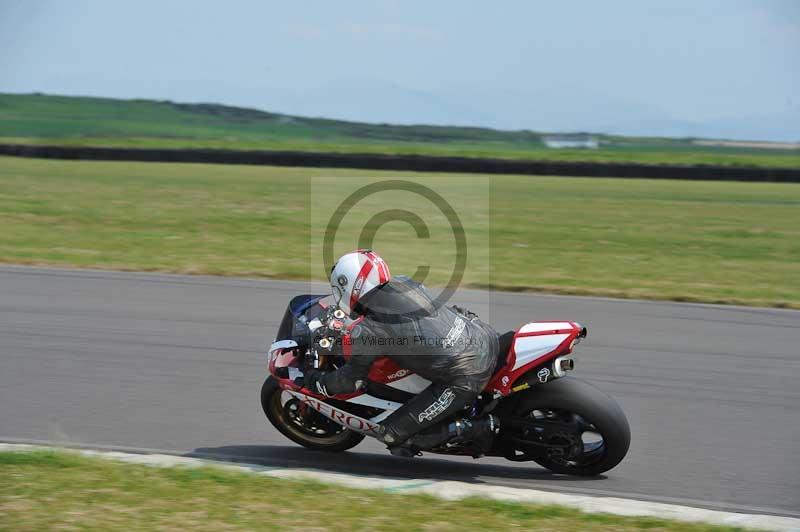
x=449, y=346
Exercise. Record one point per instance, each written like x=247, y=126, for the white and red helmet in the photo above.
x=354, y=275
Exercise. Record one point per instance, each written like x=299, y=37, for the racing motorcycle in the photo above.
x=561, y=423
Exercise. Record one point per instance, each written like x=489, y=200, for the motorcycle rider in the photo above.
x=449, y=346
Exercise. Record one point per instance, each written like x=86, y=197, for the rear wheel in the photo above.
x=569, y=427
x=304, y=425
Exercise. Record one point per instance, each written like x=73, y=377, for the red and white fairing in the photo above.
x=534, y=345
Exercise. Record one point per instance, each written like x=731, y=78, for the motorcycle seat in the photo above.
x=504, y=340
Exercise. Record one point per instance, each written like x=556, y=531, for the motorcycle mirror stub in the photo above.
x=280, y=356
x=281, y=345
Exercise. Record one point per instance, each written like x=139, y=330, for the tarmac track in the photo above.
x=169, y=362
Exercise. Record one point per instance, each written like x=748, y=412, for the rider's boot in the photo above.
x=483, y=436
x=479, y=432
x=394, y=442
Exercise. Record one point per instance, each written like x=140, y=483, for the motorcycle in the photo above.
x=561, y=423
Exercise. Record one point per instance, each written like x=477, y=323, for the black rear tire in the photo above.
x=580, y=398
x=337, y=440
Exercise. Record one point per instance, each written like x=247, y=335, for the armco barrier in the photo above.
x=418, y=163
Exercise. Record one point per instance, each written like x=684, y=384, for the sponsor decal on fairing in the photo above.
x=543, y=375
x=345, y=419
x=398, y=374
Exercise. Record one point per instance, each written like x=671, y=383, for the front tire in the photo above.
x=308, y=428
x=595, y=413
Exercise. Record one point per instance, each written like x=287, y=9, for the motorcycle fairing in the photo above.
x=346, y=419
x=534, y=344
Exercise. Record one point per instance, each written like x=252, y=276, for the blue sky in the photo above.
x=710, y=67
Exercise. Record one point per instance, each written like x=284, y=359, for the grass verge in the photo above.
x=46, y=490
x=648, y=239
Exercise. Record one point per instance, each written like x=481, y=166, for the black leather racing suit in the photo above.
x=455, y=352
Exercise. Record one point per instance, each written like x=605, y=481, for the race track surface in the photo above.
x=176, y=363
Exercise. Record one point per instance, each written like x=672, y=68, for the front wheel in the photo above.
x=304, y=425
x=569, y=427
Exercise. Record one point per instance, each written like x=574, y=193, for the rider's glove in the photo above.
x=312, y=380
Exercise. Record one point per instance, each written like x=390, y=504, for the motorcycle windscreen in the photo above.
x=291, y=327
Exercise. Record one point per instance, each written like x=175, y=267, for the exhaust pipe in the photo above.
x=562, y=365
x=557, y=369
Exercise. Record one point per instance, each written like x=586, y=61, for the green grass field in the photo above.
x=60, y=120
x=43, y=490
x=652, y=239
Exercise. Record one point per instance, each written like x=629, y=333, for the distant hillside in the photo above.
x=66, y=116
x=46, y=119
